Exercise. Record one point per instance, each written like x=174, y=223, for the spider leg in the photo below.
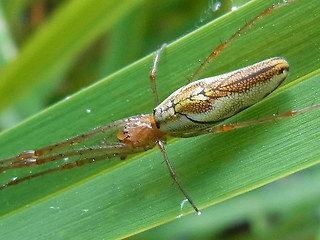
x=152, y=75
x=87, y=156
x=224, y=44
x=228, y=127
x=111, y=149
x=231, y=126
x=27, y=158
x=174, y=176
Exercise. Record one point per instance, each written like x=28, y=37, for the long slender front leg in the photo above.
x=174, y=176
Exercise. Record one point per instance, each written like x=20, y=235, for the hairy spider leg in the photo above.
x=96, y=154
x=110, y=150
x=87, y=154
x=20, y=159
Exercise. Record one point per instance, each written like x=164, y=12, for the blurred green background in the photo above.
x=37, y=69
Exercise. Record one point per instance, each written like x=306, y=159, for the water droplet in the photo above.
x=183, y=202
x=234, y=8
x=180, y=215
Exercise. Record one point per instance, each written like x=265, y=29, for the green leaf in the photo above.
x=54, y=47
x=113, y=199
x=285, y=209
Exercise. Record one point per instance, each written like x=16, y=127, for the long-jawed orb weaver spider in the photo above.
x=192, y=110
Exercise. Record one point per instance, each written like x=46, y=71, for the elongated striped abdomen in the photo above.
x=205, y=102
